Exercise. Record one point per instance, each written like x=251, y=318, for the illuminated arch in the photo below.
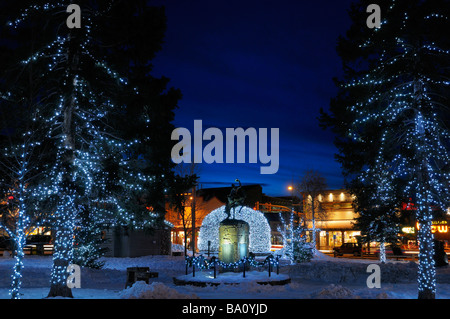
x=259, y=237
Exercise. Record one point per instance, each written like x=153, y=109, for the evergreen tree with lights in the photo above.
x=107, y=118
x=89, y=240
x=293, y=234
x=391, y=112
x=302, y=250
x=378, y=208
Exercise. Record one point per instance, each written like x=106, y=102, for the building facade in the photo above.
x=334, y=219
x=333, y=225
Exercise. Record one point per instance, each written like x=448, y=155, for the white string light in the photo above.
x=259, y=237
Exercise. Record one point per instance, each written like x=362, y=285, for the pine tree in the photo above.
x=302, y=250
x=378, y=206
x=390, y=114
x=107, y=118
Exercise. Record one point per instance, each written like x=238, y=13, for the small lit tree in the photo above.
x=295, y=245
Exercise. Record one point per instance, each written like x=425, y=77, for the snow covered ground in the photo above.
x=323, y=278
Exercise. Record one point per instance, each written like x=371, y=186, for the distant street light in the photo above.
x=291, y=189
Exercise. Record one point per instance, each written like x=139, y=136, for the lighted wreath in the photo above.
x=259, y=236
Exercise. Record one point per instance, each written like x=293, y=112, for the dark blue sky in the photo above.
x=261, y=64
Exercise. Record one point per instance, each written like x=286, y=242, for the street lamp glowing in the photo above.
x=290, y=188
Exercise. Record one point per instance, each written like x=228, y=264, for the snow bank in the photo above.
x=233, y=278
x=317, y=255
x=339, y=292
x=321, y=256
x=340, y=271
x=156, y=290
x=335, y=292
x=29, y=261
x=176, y=263
x=177, y=248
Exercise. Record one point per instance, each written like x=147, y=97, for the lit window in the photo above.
x=342, y=197
x=330, y=197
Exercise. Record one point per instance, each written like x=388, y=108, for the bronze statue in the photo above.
x=235, y=198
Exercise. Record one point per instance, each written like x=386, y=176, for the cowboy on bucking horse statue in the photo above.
x=235, y=198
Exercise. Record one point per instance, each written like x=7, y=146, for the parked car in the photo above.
x=390, y=251
x=348, y=248
x=39, y=239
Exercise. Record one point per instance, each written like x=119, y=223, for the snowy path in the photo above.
x=326, y=277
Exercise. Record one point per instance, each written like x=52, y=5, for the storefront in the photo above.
x=334, y=220
x=439, y=228
x=335, y=238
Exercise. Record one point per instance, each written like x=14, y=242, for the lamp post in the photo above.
x=193, y=218
x=291, y=223
x=291, y=189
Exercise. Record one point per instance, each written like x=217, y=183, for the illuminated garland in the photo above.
x=202, y=263
x=259, y=237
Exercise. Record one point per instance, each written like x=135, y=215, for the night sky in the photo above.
x=261, y=64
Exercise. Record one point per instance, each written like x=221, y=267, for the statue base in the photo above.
x=233, y=240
